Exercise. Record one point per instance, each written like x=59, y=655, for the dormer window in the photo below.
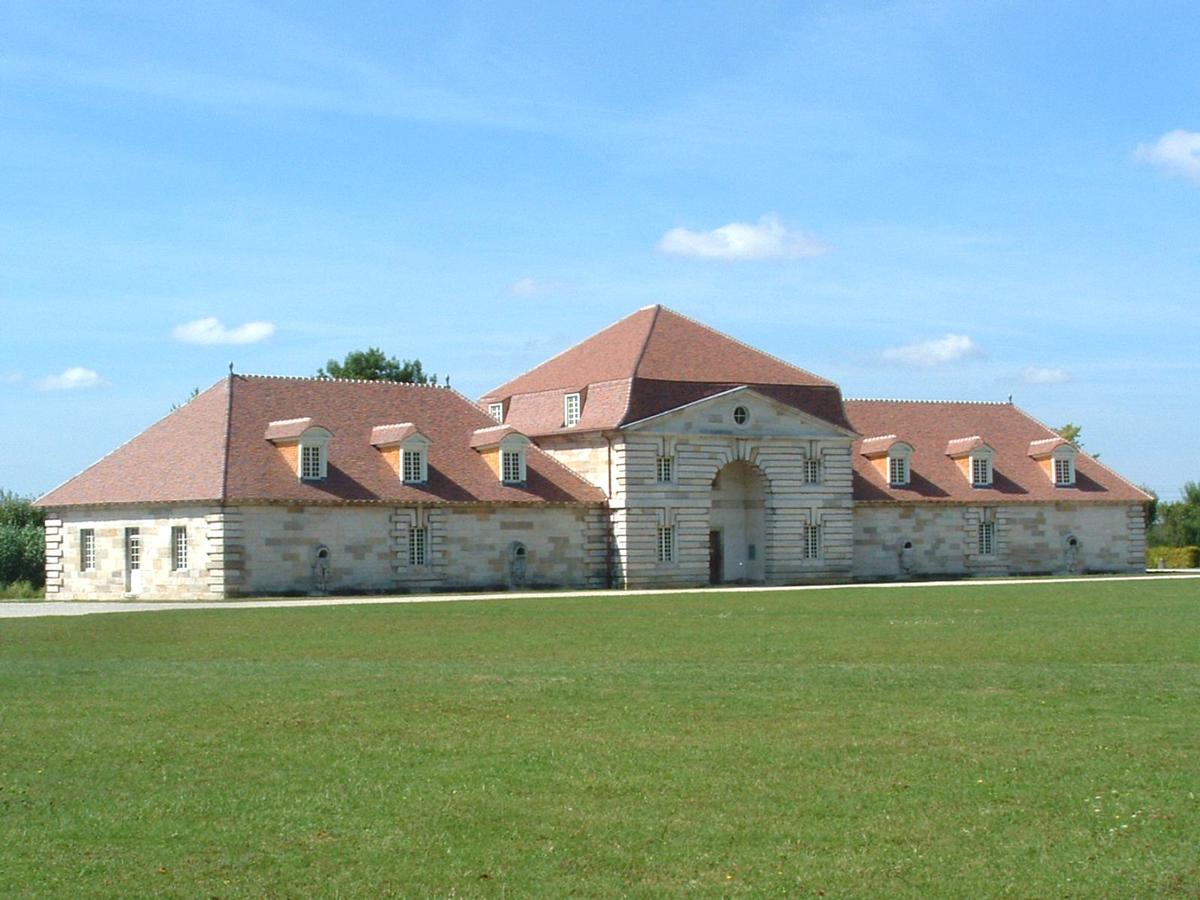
x=981, y=471
x=1057, y=459
x=310, y=462
x=974, y=458
x=405, y=449
x=891, y=458
x=496, y=411
x=412, y=465
x=571, y=410
x=1064, y=471
x=504, y=449
x=303, y=445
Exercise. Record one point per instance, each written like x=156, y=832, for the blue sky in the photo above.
x=919, y=200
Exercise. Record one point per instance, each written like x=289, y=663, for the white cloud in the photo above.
x=71, y=379
x=211, y=331
x=524, y=287
x=948, y=349
x=11, y=378
x=769, y=239
x=1045, y=375
x=1176, y=152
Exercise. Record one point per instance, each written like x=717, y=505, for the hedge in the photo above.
x=22, y=554
x=1173, y=557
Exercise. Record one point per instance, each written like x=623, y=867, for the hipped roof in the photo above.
x=213, y=449
x=931, y=427
x=647, y=363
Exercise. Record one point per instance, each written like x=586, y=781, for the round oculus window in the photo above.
x=741, y=415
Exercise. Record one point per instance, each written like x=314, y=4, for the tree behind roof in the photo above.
x=373, y=365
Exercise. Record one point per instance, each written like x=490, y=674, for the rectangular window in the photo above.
x=981, y=471
x=1063, y=472
x=310, y=462
x=416, y=546
x=496, y=411
x=665, y=469
x=812, y=541
x=179, y=547
x=411, y=465
x=812, y=471
x=510, y=466
x=87, y=549
x=897, y=470
x=666, y=544
x=571, y=409
x=987, y=538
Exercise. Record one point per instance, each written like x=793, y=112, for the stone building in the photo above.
x=656, y=453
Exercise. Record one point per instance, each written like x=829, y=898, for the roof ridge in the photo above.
x=930, y=402
x=742, y=344
x=637, y=363
x=315, y=378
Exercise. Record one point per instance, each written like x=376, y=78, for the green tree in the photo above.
x=373, y=365
x=22, y=540
x=1070, y=433
x=1178, y=523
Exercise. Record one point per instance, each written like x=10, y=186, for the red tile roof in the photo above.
x=491, y=436
x=213, y=449
x=957, y=447
x=647, y=363
x=931, y=426
x=288, y=429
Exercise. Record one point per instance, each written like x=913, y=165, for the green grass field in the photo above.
x=1031, y=741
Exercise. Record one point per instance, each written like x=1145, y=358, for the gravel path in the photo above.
x=21, y=609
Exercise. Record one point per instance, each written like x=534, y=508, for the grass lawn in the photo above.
x=1031, y=740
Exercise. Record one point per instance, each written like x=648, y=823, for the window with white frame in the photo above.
x=179, y=547
x=812, y=470
x=571, y=410
x=812, y=542
x=987, y=538
x=665, y=469
x=87, y=549
x=1064, y=471
x=510, y=466
x=412, y=466
x=666, y=543
x=981, y=471
x=310, y=462
x=496, y=411
x=898, y=470
x=416, y=546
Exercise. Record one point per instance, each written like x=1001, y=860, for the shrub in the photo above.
x=20, y=590
x=22, y=554
x=1173, y=557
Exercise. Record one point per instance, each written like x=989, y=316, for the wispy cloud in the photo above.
x=211, y=331
x=1045, y=375
x=533, y=287
x=768, y=239
x=937, y=352
x=1176, y=152
x=11, y=378
x=72, y=379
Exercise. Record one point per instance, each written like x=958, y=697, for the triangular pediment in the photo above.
x=739, y=412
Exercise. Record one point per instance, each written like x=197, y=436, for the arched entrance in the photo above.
x=737, y=525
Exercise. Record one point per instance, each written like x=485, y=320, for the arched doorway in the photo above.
x=737, y=525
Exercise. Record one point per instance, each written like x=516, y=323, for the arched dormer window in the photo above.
x=974, y=457
x=303, y=445
x=504, y=448
x=1057, y=459
x=891, y=457
x=405, y=449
